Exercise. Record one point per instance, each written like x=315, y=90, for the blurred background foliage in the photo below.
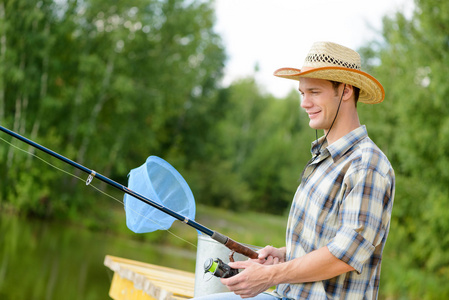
x=108, y=83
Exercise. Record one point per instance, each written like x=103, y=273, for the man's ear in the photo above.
x=348, y=91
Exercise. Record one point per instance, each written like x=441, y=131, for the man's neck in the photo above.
x=340, y=129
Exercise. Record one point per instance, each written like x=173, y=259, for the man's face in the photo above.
x=319, y=100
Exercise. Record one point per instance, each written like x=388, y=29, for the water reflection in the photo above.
x=42, y=260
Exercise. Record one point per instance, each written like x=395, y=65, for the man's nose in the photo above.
x=305, y=101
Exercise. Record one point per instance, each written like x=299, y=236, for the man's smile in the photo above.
x=313, y=114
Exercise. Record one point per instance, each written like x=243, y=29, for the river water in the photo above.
x=48, y=260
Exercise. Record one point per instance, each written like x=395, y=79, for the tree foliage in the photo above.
x=412, y=126
x=105, y=84
x=109, y=83
x=251, y=141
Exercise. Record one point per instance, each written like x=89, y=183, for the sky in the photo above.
x=279, y=33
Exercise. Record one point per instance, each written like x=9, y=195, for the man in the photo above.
x=340, y=215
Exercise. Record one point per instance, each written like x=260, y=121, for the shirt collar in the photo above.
x=341, y=146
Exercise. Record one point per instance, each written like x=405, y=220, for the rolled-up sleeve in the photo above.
x=364, y=217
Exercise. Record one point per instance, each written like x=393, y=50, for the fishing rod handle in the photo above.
x=242, y=249
x=234, y=246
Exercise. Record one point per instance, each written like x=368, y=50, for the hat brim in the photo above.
x=371, y=91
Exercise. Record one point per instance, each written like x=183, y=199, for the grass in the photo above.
x=250, y=228
x=246, y=227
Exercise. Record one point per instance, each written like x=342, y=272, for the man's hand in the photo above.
x=253, y=280
x=256, y=276
x=271, y=256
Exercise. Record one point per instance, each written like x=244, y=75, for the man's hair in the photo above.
x=336, y=84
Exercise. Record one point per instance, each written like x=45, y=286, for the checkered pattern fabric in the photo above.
x=344, y=202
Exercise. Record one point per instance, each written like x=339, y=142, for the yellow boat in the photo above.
x=134, y=280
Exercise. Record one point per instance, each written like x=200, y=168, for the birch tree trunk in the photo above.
x=2, y=61
x=17, y=116
x=42, y=93
x=96, y=111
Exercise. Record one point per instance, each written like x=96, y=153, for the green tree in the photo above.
x=412, y=127
x=105, y=83
x=26, y=42
x=262, y=141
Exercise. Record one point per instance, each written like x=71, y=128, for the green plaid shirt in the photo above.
x=344, y=202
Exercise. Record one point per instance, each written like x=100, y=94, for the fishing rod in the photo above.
x=228, y=242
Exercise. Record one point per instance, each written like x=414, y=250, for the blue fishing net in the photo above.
x=158, y=181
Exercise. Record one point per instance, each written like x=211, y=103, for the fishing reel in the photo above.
x=218, y=268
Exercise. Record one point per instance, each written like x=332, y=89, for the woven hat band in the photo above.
x=326, y=54
x=324, y=60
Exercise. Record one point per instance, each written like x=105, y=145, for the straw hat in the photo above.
x=331, y=61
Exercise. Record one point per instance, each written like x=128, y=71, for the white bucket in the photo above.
x=206, y=284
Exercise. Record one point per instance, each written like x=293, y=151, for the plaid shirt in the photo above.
x=344, y=202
